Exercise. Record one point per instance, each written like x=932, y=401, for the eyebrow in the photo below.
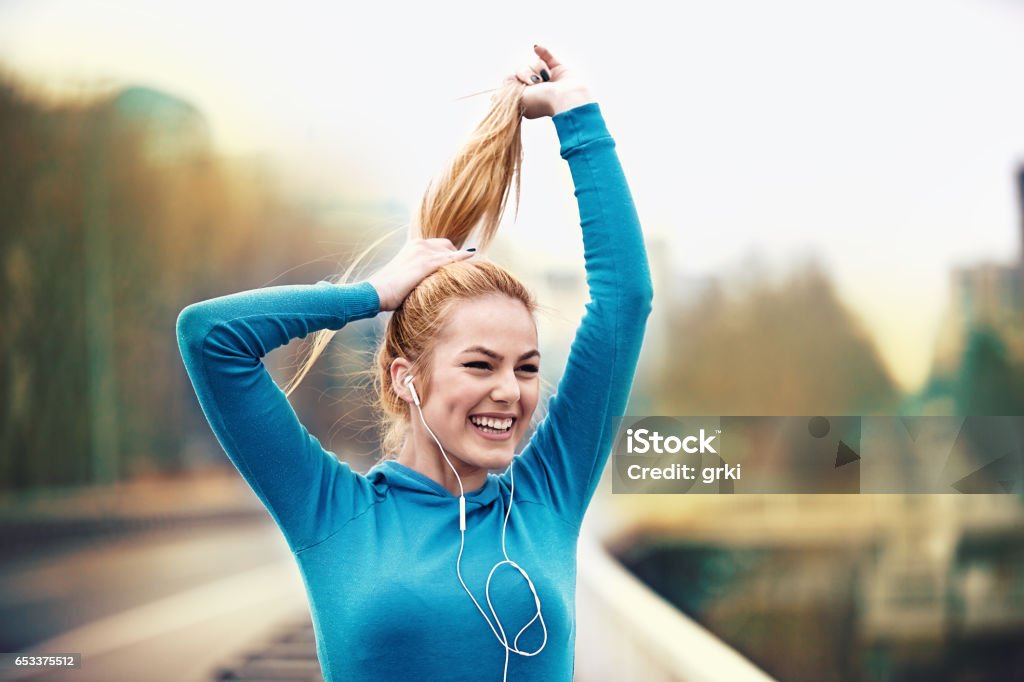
x=497, y=356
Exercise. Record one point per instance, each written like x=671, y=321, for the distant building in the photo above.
x=985, y=295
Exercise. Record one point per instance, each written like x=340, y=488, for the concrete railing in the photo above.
x=626, y=631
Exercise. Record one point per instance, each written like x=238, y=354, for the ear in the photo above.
x=400, y=369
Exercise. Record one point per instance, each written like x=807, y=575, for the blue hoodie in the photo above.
x=377, y=552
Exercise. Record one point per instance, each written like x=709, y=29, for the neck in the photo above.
x=420, y=453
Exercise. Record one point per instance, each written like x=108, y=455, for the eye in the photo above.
x=531, y=369
x=478, y=364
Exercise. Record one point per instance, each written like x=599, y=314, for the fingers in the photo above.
x=528, y=76
x=444, y=251
x=539, y=71
x=546, y=56
x=436, y=248
x=440, y=242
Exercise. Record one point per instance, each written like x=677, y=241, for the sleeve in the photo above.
x=563, y=461
x=308, y=492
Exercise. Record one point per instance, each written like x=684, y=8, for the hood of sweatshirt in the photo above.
x=421, y=489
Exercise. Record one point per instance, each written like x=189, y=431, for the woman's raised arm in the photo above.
x=307, y=491
x=563, y=462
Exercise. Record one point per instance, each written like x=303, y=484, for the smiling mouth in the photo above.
x=493, y=426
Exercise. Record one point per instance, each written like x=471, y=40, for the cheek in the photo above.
x=529, y=396
x=458, y=398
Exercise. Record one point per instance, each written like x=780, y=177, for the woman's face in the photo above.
x=484, y=384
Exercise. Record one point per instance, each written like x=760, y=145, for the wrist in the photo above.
x=571, y=99
x=383, y=296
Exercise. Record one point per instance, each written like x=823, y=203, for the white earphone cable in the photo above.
x=502, y=638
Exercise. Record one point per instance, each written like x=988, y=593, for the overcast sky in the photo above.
x=877, y=136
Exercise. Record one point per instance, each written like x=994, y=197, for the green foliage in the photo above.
x=988, y=382
x=116, y=213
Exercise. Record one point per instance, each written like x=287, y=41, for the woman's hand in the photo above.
x=562, y=90
x=417, y=259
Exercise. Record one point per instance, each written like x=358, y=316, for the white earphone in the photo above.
x=408, y=384
x=502, y=638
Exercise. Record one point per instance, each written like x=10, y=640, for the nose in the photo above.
x=506, y=388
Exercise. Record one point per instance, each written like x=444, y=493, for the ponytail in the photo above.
x=467, y=199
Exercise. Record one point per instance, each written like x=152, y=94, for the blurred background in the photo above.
x=832, y=199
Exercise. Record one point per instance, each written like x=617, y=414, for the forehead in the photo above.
x=494, y=321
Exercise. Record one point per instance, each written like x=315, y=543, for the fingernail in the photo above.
x=472, y=249
x=534, y=79
x=545, y=75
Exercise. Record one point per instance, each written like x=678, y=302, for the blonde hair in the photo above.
x=467, y=198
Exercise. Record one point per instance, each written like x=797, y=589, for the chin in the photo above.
x=504, y=460
x=487, y=458
x=489, y=452
x=493, y=460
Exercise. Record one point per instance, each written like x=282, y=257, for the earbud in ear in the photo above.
x=412, y=389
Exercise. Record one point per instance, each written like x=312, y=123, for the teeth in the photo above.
x=492, y=423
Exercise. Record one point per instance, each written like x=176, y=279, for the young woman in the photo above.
x=428, y=567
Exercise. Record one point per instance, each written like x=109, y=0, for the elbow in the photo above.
x=633, y=305
x=645, y=304
x=639, y=297
x=191, y=327
x=647, y=296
